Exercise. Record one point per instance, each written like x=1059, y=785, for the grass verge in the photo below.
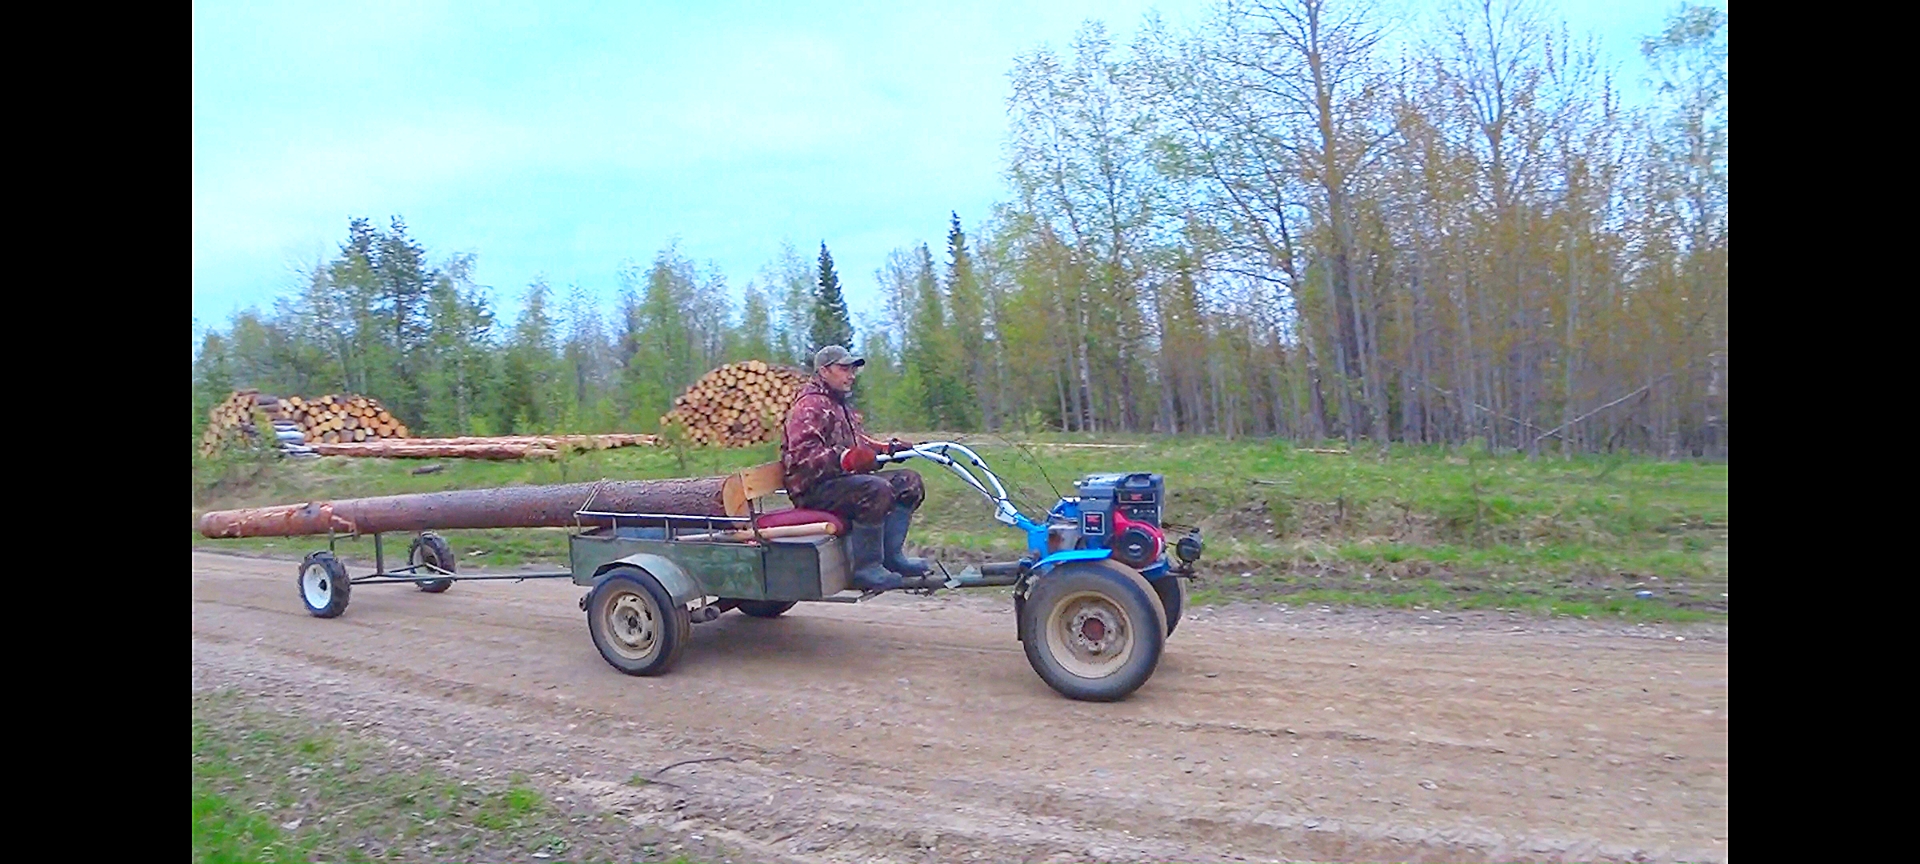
x=268, y=787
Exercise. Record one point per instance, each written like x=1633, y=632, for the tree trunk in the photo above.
x=507, y=507
x=1316, y=399
x=1060, y=386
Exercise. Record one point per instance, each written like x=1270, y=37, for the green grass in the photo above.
x=1552, y=535
x=1435, y=595
x=224, y=832
x=269, y=787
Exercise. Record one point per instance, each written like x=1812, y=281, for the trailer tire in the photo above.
x=324, y=585
x=765, y=608
x=430, y=548
x=634, y=622
x=1094, y=630
x=1172, y=591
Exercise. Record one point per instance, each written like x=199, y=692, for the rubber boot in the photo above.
x=865, y=547
x=898, y=520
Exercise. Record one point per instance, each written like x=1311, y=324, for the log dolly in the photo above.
x=1096, y=595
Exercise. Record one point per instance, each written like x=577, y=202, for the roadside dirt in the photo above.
x=911, y=729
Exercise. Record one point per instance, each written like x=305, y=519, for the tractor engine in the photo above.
x=1120, y=512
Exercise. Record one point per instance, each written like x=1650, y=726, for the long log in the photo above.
x=516, y=447
x=610, y=439
x=402, y=448
x=505, y=507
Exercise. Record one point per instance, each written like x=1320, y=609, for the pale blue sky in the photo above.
x=563, y=139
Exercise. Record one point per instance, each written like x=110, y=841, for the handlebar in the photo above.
x=937, y=452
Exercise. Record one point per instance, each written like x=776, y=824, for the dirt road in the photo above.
x=912, y=729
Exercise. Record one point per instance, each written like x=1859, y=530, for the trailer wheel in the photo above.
x=1095, y=630
x=430, y=548
x=635, y=623
x=765, y=608
x=324, y=586
x=1172, y=591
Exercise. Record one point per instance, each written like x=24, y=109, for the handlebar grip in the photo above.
x=901, y=455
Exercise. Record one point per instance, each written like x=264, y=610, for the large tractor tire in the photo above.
x=1094, y=630
x=1172, y=591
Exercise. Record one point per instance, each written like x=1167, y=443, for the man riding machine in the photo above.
x=829, y=463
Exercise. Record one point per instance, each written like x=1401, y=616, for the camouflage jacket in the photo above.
x=819, y=426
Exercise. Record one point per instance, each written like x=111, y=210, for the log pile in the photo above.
x=235, y=420
x=736, y=405
x=342, y=418
x=351, y=425
x=297, y=422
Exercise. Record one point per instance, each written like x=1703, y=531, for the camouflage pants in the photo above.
x=865, y=497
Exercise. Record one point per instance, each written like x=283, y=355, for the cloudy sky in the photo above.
x=564, y=139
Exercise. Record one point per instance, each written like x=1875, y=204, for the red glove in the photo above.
x=858, y=460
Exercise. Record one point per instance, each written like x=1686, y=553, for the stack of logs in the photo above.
x=349, y=425
x=330, y=419
x=233, y=421
x=736, y=405
x=340, y=418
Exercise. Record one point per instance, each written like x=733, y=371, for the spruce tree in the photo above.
x=831, y=326
x=966, y=314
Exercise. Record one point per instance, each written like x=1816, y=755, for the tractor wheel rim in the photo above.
x=633, y=624
x=317, y=586
x=420, y=559
x=1089, y=635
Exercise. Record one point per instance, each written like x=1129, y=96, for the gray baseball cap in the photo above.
x=834, y=354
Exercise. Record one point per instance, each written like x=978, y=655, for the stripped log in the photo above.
x=473, y=447
x=506, y=507
x=577, y=442
x=411, y=450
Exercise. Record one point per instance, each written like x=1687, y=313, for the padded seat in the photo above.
x=797, y=516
